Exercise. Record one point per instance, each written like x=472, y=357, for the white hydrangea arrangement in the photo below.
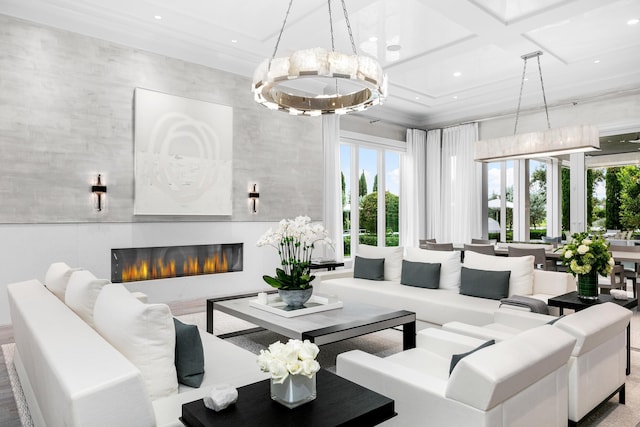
x=294, y=239
x=585, y=254
x=293, y=358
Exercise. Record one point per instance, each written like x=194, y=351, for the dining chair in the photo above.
x=439, y=246
x=630, y=273
x=483, y=249
x=540, y=257
x=483, y=242
x=615, y=280
x=423, y=242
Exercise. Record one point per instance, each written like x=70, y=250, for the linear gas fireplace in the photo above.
x=134, y=264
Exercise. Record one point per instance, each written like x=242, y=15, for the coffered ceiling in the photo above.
x=448, y=61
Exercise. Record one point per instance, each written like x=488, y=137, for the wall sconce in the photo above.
x=99, y=190
x=253, y=199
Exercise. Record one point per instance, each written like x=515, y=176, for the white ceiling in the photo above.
x=481, y=39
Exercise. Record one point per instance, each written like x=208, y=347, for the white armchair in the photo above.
x=598, y=361
x=517, y=382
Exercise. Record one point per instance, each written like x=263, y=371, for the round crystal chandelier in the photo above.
x=316, y=81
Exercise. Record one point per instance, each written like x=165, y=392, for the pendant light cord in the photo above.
x=544, y=96
x=275, y=49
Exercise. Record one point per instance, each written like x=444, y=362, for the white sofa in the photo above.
x=598, y=361
x=445, y=304
x=73, y=376
x=517, y=382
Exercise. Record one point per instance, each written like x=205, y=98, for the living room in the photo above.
x=68, y=116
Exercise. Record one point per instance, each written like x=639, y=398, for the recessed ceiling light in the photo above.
x=455, y=96
x=373, y=39
x=457, y=74
x=597, y=61
x=234, y=41
x=633, y=21
x=417, y=97
x=394, y=47
x=158, y=17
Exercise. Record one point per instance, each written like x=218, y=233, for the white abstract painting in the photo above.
x=183, y=156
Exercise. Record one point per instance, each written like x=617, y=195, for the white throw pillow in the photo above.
x=392, y=259
x=81, y=294
x=521, y=279
x=449, y=265
x=57, y=278
x=143, y=333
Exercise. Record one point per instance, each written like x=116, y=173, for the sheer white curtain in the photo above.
x=332, y=188
x=433, y=202
x=412, y=189
x=461, y=185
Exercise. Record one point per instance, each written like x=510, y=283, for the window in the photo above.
x=500, y=193
x=370, y=181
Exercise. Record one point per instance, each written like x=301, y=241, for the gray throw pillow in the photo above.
x=455, y=358
x=420, y=274
x=189, y=354
x=484, y=283
x=368, y=268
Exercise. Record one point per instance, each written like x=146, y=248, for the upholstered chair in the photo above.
x=520, y=381
x=439, y=246
x=598, y=358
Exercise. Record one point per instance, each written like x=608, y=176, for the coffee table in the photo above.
x=352, y=320
x=339, y=402
x=571, y=301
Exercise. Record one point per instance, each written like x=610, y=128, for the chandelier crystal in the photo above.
x=317, y=81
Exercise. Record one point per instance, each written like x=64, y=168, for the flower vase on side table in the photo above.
x=588, y=286
x=294, y=391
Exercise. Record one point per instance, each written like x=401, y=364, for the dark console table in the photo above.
x=339, y=403
x=572, y=302
x=329, y=265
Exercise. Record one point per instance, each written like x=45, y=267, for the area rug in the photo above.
x=18, y=394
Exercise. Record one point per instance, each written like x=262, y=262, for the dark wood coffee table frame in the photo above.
x=330, y=334
x=572, y=302
x=339, y=402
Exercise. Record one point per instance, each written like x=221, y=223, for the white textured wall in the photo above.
x=66, y=114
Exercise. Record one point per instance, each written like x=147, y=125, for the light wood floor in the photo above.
x=8, y=409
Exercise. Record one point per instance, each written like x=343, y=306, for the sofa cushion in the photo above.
x=189, y=354
x=420, y=274
x=144, y=333
x=449, y=265
x=392, y=259
x=484, y=283
x=455, y=358
x=57, y=277
x=368, y=268
x=521, y=279
x=82, y=292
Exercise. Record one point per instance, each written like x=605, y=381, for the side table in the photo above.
x=339, y=402
x=329, y=265
x=572, y=302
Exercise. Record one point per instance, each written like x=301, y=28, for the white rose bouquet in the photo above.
x=585, y=254
x=293, y=358
x=294, y=239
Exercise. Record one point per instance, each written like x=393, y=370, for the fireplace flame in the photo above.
x=160, y=269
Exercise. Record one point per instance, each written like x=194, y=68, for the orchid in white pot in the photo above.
x=294, y=239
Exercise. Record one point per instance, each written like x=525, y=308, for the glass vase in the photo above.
x=588, y=286
x=294, y=391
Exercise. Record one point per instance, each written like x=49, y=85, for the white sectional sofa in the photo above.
x=74, y=375
x=446, y=303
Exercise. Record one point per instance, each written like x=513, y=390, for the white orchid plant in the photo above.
x=294, y=239
x=293, y=358
x=584, y=254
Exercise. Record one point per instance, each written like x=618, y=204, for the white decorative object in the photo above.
x=263, y=298
x=293, y=371
x=220, y=397
x=619, y=294
x=315, y=304
x=183, y=156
